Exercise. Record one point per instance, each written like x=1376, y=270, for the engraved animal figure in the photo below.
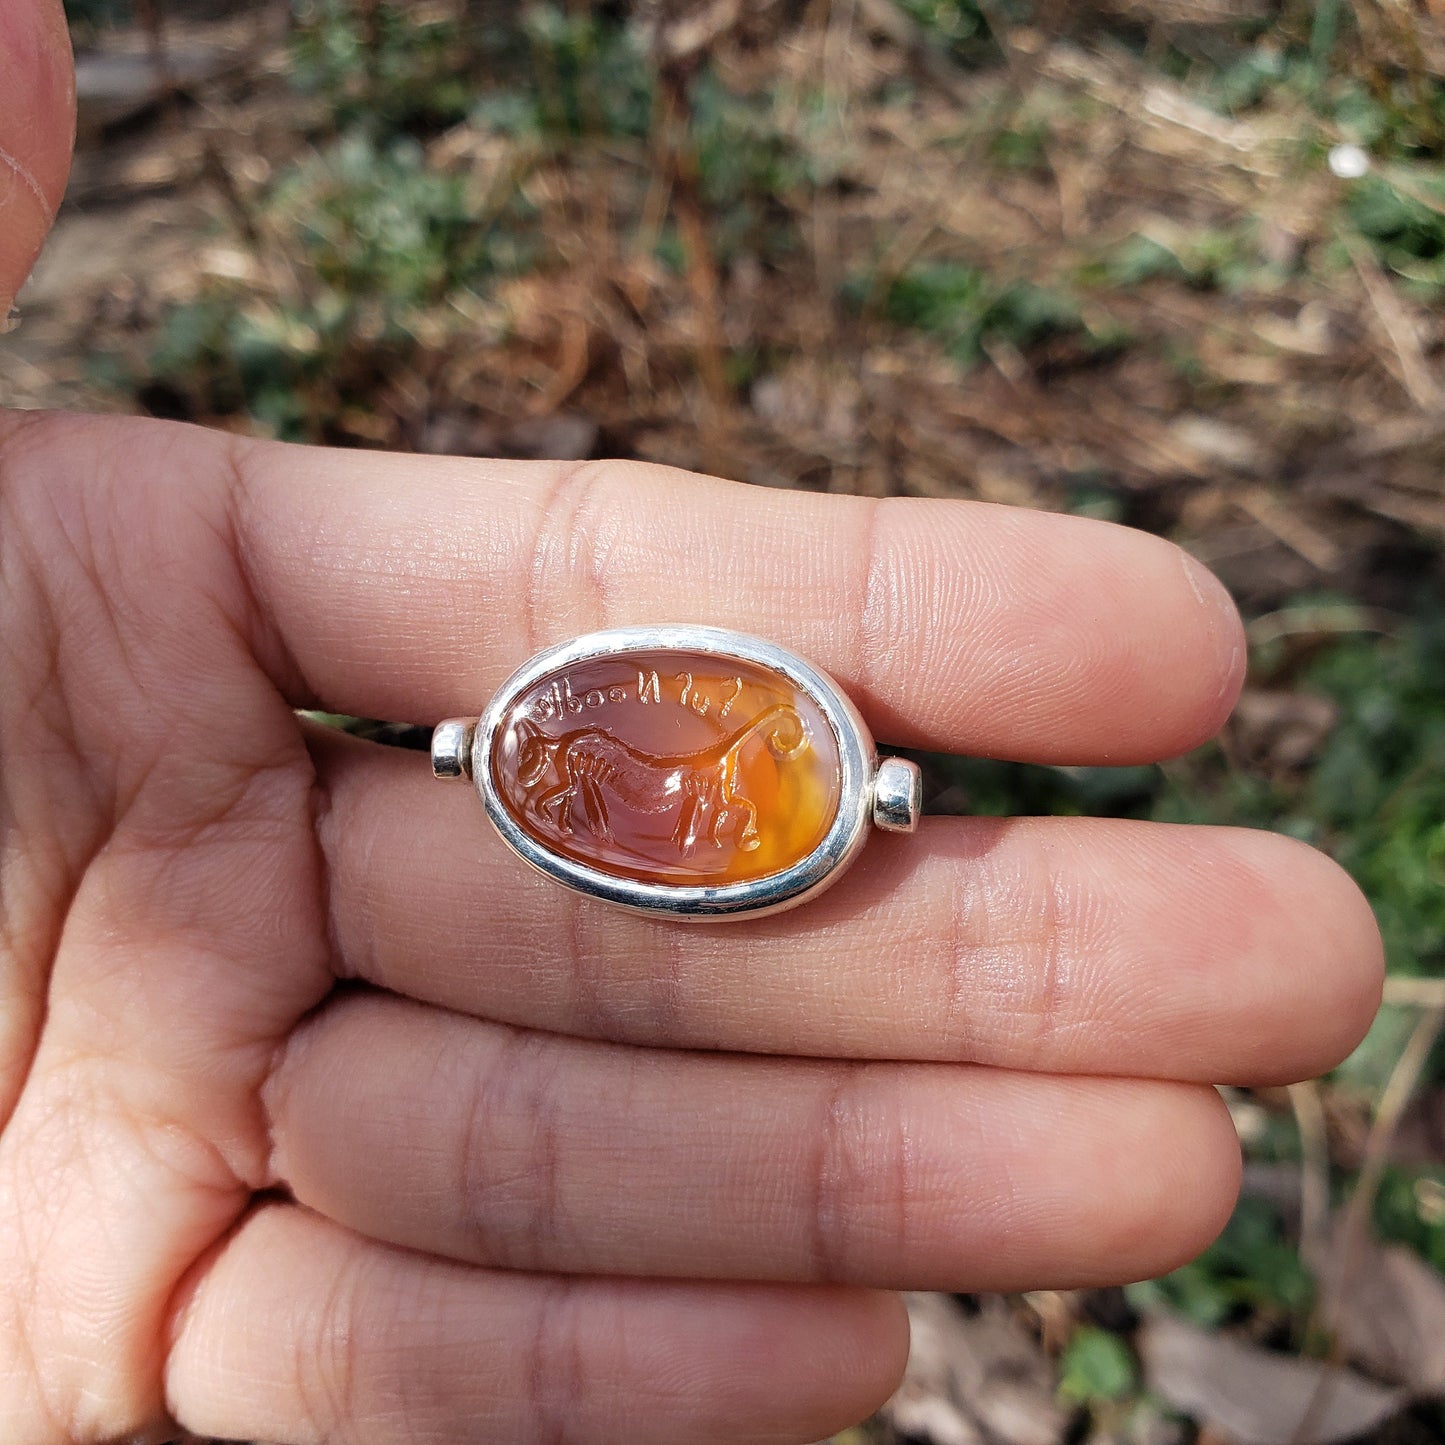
x=592, y=765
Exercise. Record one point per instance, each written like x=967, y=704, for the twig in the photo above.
x=906, y=33
x=1428, y=993
x=1397, y=1094
x=1402, y=181
x=1290, y=527
x=1395, y=321
x=1327, y=619
x=680, y=162
x=1073, y=198
x=837, y=38
x=1309, y=1117
x=1355, y=1219
x=148, y=12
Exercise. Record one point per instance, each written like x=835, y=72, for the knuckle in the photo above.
x=553, y=1364
x=865, y=1191
x=325, y=1381
x=1024, y=925
x=567, y=556
x=510, y=1154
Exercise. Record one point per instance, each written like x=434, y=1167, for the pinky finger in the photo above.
x=299, y=1330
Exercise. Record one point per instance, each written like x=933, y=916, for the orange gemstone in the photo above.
x=669, y=767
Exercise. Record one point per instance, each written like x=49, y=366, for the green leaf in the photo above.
x=1096, y=1366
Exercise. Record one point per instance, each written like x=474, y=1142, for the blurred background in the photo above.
x=1178, y=263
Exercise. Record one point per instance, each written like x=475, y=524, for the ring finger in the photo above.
x=512, y=1148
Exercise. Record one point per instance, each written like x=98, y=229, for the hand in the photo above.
x=322, y=1118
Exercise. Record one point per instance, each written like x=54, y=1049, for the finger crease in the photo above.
x=872, y=619
x=588, y=963
x=325, y=1377
x=560, y=512
x=554, y=1368
x=514, y=1203
x=261, y=634
x=827, y=1173
x=27, y=179
x=1054, y=915
x=344, y=962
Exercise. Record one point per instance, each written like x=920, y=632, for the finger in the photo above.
x=1069, y=944
x=410, y=587
x=529, y=1151
x=301, y=1331
x=37, y=125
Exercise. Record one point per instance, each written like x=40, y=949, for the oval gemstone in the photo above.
x=669, y=767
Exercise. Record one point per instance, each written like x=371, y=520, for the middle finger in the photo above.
x=1069, y=945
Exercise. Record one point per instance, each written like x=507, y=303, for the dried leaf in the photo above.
x=1419, y=1141
x=1281, y=730
x=112, y=87
x=975, y=1379
x=1258, y=1397
x=1386, y=1307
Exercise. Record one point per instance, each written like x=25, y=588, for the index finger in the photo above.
x=37, y=121
x=409, y=587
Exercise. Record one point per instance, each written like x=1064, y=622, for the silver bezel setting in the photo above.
x=754, y=897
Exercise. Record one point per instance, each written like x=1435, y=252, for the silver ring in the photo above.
x=682, y=771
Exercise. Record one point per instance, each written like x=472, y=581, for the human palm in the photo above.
x=322, y=1118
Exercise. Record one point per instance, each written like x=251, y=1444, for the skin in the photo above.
x=37, y=127
x=323, y=1119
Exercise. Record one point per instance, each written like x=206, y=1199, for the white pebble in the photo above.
x=1349, y=162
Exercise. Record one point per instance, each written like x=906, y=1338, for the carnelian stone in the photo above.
x=669, y=767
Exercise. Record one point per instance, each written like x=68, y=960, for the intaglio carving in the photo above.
x=593, y=765
x=669, y=767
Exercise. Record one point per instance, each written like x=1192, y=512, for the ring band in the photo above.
x=682, y=771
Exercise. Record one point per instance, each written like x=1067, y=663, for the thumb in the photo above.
x=37, y=128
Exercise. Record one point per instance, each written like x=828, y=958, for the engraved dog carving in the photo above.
x=592, y=765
